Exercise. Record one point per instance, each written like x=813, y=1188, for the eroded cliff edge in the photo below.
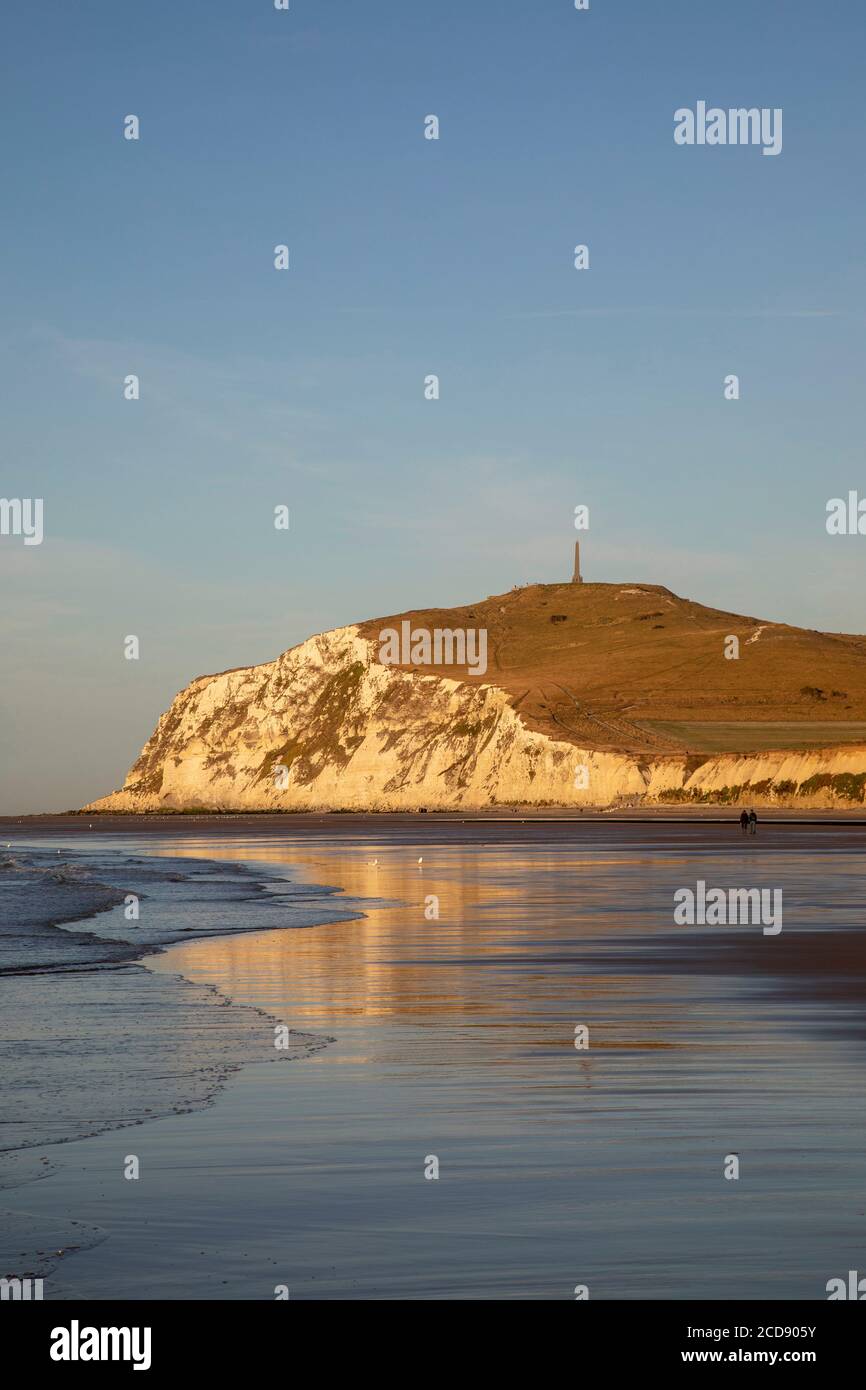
x=326, y=726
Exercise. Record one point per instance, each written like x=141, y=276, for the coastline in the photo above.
x=455, y=1038
x=186, y=822
x=95, y=1041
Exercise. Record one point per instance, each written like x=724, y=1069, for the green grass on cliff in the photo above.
x=757, y=736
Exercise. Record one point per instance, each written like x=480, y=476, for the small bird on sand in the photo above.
x=372, y=863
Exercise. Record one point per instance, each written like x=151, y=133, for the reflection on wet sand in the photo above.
x=398, y=962
x=525, y=944
x=456, y=1036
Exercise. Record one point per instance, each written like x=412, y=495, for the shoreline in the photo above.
x=334, y=821
x=457, y=1040
x=102, y=999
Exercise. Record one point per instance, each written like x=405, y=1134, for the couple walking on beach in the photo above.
x=748, y=822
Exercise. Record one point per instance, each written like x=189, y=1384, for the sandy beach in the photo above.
x=454, y=1039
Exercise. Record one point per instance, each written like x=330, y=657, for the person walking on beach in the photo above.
x=753, y=823
x=744, y=821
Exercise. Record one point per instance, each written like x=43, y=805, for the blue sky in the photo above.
x=408, y=257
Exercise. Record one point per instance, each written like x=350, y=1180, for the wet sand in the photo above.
x=455, y=1039
x=342, y=824
x=92, y=1041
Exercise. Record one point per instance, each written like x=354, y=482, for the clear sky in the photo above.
x=408, y=257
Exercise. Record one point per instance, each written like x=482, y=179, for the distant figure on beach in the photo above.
x=744, y=821
x=753, y=823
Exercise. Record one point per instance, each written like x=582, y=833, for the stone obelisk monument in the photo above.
x=576, y=577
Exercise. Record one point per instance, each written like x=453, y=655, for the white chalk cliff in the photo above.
x=326, y=726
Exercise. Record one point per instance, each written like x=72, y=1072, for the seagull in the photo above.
x=372, y=863
x=420, y=860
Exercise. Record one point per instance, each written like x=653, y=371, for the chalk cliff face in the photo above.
x=326, y=726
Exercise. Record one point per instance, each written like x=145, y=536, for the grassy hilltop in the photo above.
x=633, y=667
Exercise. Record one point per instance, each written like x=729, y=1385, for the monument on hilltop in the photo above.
x=576, y=577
